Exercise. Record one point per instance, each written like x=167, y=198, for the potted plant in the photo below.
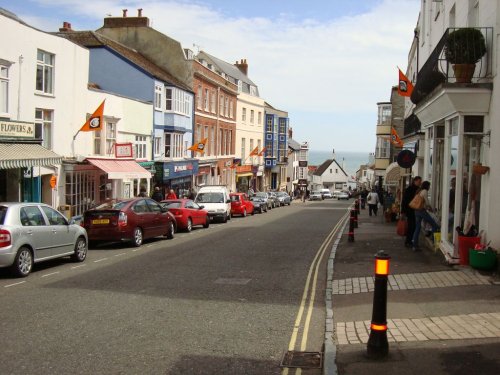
x=463, y=49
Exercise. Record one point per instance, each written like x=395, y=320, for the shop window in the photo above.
x=45, y=72
x=43, y=126
x=80, y=191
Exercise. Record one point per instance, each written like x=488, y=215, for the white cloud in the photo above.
x=342, y=66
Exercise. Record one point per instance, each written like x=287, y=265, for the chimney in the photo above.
x=290, y=133
x=66, y=27
x=242, y=66
x=124, y=21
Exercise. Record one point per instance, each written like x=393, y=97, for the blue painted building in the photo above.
x=121, y=70
x=276, y=144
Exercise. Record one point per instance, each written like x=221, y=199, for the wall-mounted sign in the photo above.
x=184, y=167
x=123, y=150
x=302, y=182
x=17, y=129
x=303, y=163
x=406, y=159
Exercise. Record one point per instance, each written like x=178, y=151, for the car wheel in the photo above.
x=229, y=216
x=80, y=250
x=207, y=223
x=23, y=263
x=189, y=226
x=224, y=218
x=253, y=211
x=171, y=230
x=244, y=212
x=137, y=237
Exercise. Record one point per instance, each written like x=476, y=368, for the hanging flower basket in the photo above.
x=480, y=169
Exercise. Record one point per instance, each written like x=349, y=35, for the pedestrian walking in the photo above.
x=171, y=195
x=142, y=192
x=407, y=211
x=423, y=214
x=372, y=199
x=157, y=195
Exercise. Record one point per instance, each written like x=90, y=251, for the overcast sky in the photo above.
x=326, y=62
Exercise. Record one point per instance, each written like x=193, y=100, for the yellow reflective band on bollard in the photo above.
x=382, y=267
x=379, y=327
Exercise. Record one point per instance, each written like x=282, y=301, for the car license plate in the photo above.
x=100, y=221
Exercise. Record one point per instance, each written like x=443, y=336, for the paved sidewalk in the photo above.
x=441, y=319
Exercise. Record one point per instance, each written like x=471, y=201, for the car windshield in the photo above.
x=172, y=204
x=3, y=212
x=210, y=198
x=282, y=194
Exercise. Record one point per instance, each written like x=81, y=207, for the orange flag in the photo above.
x=395, y=140
x=405, y=87
x=262, y=152
x=95, y=121
x=199, y=146
x=255, y=151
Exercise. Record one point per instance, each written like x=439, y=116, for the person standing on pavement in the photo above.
x=171, y=195
x=157, y=195
x=409, y=212
x=372, y=199
x=423, y=214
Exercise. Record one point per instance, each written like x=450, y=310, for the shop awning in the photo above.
x=248, y=174
x=26, y=155
x=120, y=169
x=392, y=174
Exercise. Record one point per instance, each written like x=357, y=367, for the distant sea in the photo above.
x=352, y=160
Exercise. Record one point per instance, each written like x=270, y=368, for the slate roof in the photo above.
x=293, y=144
x=323, y=167
x=230, y=69
x=91, y=39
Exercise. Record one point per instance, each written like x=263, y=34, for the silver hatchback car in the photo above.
x=34, y=232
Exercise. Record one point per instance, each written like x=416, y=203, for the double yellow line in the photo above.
x=312, y=292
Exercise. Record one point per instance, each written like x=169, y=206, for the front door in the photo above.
x=63, y=236
x=36, y=231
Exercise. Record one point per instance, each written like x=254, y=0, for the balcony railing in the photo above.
x=437, y=69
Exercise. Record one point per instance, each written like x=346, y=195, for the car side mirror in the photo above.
x=201, y=207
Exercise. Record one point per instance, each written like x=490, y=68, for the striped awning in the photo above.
x=120, y=169
x=26, y=155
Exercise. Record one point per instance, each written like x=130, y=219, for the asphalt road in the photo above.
x=222, y=300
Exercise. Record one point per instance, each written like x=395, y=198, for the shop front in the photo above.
x=244, y=178
x=176, y=175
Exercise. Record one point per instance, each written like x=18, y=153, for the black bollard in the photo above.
x=355, y=213
x=378, y=346
x=351, y=228
x=356, y=206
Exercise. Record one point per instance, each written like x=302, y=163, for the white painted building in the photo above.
x=460, y=121
x=330, y=175
x=298, y=162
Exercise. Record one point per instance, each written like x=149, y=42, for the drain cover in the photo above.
x=296, y=359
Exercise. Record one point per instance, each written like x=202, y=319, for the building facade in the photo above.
x=276, y=148
x=330, y=175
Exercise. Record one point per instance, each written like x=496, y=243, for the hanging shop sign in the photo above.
x=406, y=158
x=123, y=150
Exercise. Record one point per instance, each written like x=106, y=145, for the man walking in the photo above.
x=372, y=199
x=409, y=212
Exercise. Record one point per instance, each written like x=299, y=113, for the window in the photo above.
x=243, y=114
x=198, y=133
x=55, y=218
x=221, y=106
x=158, y=95
x=212, y=141
x=224, y=142
x=243, y=141
x=251, y=145
x=206, y=100
x=168, y=145
x=31, y=216
x=269, y=124
x=157, y=146
x=97, y=142
x=169, y=99
x=331, y=170
x=110, y=136
x=205, y=132
x=269, y=149
x=252, y=116
x=213, y=106
x=220, y=142
x=383, y=148
x=231, y=109
x=253, y=90
x=198, y=98
x=259, y=118
x=4, y=89
x=258, y=145
x=230, y=142
x=282, y=126
x=45, y=72
x=384, y=114
x=43, y=126
x=226, y=107
x=140, y=147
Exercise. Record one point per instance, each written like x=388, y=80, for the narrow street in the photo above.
x=216, y=301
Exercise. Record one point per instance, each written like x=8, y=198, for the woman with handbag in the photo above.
x=420, y=204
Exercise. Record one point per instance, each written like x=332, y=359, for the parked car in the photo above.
x=259, y=204
x=35, y=232
x=284, y=198
x=343, y=195
x=265, y=197
x=241, y=205
x=132, y=220
x=215, y=199
x=315, y=196
x=274, y=199
x=336, y=193
x=326, y=194
x=187, y=213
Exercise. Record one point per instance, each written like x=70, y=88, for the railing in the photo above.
x=437, y=69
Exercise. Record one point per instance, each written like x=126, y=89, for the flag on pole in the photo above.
x=95, y=121
x=236, y=163
x=395, y=140
x=405, y=87
x=262, y=152
x=199, y=146
x=255, y=151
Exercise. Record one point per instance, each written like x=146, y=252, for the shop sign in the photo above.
x=17, y=129
x=123, y=150
x=303, y=163
x=302, y=182
x=204, y=170
x=182, y=168
x=406, y=159
x=244, y=169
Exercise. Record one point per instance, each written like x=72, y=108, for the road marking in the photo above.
x=100, y=260
x=20, y=282
x=81, y=265
x=119, y=255
x=305, y=294
x=50, y=274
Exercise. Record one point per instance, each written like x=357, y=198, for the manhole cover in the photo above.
x=302, y=359
x=232, y=281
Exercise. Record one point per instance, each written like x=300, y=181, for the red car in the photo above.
x=241, y=205
x=128, y=220
x=187, y=213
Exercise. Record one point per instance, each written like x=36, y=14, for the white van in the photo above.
x=215, y=199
